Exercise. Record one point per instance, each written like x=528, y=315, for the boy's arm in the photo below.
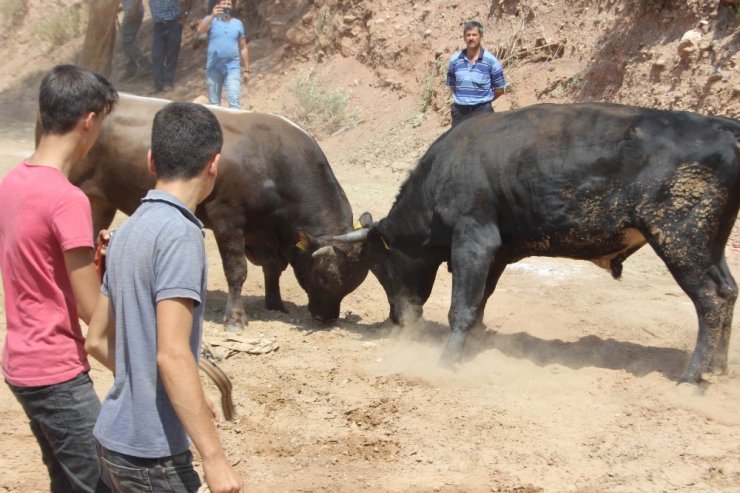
x=179, y=372
x=100, y=342
x=84, y=280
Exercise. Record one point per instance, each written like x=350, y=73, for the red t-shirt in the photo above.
x=41, y=215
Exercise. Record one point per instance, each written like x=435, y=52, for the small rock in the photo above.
x=689, y=44
x=714, y=78
x=692, y=35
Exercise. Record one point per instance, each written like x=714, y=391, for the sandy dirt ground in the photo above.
x=572, y=386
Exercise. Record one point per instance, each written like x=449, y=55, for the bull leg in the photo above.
x=473, y=250
x=494, y=274
x=713, y=291
x=720, y=357
x=230, y=241
x=273, y=300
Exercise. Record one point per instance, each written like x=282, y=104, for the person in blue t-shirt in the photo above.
x=227, y=46
x=474, y=76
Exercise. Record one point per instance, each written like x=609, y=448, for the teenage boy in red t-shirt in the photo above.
x=46, y=258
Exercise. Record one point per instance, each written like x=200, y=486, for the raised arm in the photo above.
x=205, y=24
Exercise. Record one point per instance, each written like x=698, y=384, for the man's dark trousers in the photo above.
x=165, y=50
x=461, y=112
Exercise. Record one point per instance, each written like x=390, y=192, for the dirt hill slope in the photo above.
x=389, y=57
x=621, y=51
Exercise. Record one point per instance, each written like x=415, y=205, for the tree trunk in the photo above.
x=97, y=49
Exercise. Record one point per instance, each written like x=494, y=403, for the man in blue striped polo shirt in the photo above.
x=474, y=76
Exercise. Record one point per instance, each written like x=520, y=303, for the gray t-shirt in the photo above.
x=157, y=254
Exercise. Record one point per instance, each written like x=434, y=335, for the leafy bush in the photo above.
x=58, y=27
x=13, y=10
x=319, y=108
x=325, y=21
x=430, y=82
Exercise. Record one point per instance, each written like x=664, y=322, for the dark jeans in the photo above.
x=128, y=474
x=129, y=30
x=62, y=418
x=165, y=51
x=460, y=112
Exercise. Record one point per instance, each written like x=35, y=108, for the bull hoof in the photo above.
x=449, y=359
x=235, y=327
x=448, y=364
x=278, y=307
x=694, y=377
x=235, y=320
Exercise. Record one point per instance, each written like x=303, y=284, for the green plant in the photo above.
x=433, y=70
x=325, y=21
x=318, y=107
x=736, y=8
x=58, y=27
x=13, y=10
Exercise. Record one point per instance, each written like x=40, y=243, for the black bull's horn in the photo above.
x=356, y=235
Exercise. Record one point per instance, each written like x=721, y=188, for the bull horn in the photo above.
x=324, y=250
x=356, y=235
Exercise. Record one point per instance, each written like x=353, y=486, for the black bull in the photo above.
x=583, y=181
x=276, y=202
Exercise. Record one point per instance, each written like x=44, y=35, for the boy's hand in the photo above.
x=220, y=477
x=100, y=251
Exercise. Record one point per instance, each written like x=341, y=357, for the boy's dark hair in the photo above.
x=185, y=136
x=68, y=92
x=472, y=25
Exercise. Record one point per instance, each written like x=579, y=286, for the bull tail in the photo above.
x=223, y=383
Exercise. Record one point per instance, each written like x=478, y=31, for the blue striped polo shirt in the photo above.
x=474, y=83
x=164, y=10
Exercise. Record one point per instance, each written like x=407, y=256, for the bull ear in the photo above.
x=385, y=243
x=365, y=221
x=306, y=242
x=379, y=242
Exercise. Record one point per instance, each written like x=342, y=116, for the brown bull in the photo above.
x=276, y=202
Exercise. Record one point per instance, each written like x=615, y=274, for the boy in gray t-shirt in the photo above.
x=147, y=323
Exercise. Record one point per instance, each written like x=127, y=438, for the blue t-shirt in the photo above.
x=157, y=254
x=223, y=43
x=474, y=83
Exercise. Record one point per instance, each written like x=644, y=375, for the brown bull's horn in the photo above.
x=324, y=250
x=356, y=235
